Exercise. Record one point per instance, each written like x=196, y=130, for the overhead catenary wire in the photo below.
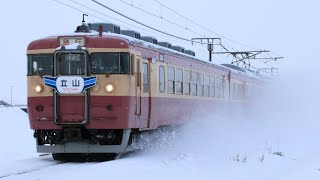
x=180, y=39
x=207, y=29
x=147, y=32
x=199, y=25
x=143, y=30
x=168, y=21
x=82, y=11
x=160, y=17
x=79, y=10
x=129, y=19
x=203, y=51
x=138, y=22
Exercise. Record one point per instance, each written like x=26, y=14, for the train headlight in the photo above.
x=38, y=88
x=109, y=88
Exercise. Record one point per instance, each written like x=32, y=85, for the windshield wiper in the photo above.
x=111, y=69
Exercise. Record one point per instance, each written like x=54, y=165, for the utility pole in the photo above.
x=210, y=44
x=11, y=95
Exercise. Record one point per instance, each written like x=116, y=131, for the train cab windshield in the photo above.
x=110, y=63
x=72, y=64
x=40, y=64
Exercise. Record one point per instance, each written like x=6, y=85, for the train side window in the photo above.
x=171, y=80
x=161, y=79
x=110, y=63
x=137, y=71
x=246, y=92
x=187, y=82
x=207, y=85
x=233, y=91
x=161, y=57
x=239, y=91
x=212, y=86
x=137, y=66
x=201, y=84
x=241, y=86
x=218, y=88
x=124, y=63
x=194, y=84
x=132, y=64
x=145, y=78
x=252, y=92
x=179, y=81
x=224, y=87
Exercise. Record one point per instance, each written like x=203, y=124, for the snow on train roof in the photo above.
x=158, y=47
x=73, y=46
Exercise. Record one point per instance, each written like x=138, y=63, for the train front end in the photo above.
x=79, y=94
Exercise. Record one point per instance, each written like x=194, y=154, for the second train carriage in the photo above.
x=126, y=86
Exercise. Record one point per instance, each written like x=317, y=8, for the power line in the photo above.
x=176, y=24
x=138, y=22
x=87, y=12
x=106, y=16
x=143, y=30
x=77, y=9
x=112, y=18
x=181, y=39
x=201, y=25
x=203, y=51
x=207, y=28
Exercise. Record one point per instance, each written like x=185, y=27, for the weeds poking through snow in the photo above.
x=261, y=159
x=278, y=154
x=240, y=158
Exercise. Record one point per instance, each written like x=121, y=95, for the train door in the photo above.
x=138, y=86
x=146, y=99
x=70, y=105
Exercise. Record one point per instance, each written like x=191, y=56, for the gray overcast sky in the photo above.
x=288, y=27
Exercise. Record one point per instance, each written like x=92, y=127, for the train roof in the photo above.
x=93, y=40
x=227, y=67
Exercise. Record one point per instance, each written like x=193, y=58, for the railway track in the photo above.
x=26, y=166
x=42, y=164
x=25, y=171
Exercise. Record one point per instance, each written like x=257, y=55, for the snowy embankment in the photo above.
x=16, y=135
x=18, y=152
x=279, y=139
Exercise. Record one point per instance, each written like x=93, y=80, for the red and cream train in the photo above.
x=89, y=92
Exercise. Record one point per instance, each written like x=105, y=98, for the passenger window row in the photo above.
x=191, y=83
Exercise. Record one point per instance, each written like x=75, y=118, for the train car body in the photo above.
x=90, y=92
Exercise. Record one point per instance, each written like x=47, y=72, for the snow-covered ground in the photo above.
x=278, y=139
x=284, y=122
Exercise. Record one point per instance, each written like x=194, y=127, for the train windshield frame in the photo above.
x=110, y=63
x=40, y=64
x=72, y=63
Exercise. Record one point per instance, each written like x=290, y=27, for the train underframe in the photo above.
x=74, y=143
